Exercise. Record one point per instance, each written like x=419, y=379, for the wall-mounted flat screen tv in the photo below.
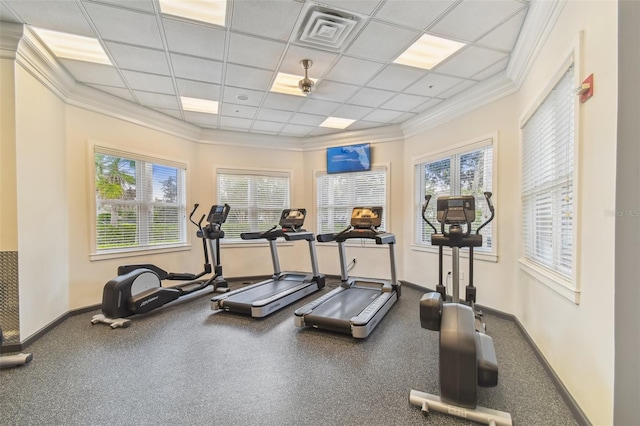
x=350, y=158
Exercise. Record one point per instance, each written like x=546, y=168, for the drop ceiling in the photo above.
x=159, y=58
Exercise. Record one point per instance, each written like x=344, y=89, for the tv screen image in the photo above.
x=351, y=158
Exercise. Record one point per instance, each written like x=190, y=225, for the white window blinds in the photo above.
x=465, y=173
x=139, y=203
x=338, y=194
x=547, y=180
x=256, y=199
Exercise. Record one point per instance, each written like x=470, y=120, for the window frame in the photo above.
x=95, y=147
x=260, y=172
x=569, y=288
x=378, y=166
x=463, y=147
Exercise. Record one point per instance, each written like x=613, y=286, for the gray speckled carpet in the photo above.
x=187, y=365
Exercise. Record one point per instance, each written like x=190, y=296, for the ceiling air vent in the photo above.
x=326, y=28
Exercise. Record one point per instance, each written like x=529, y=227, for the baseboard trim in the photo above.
x=577, y=412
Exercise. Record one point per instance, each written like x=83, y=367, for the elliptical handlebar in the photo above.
x=199, y=223
x=427, y=198
x=487, y=196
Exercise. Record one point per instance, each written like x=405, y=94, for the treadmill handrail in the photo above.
x=358, y=233
x=288, y=234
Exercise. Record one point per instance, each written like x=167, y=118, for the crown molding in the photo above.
x=10, y=36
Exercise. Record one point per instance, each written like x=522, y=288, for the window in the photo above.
x=338, y=194
x=469, y=172
x=140, y=202
x=547, y=180
x=257, y=199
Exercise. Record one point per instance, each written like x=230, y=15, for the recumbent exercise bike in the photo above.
x=467, y=356
x=137, y=289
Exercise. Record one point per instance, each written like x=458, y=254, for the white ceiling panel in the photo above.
x=282, y=101
x=362, y=7
x=433, y=85
x=322, y=61
x=471, y=19
x=320, y=131
x=266, y=114
x=191, y=68
x=235, y=123
x=254, y=51
x=208, y=120
x=149, y=82
x=318, y=107
x=383, y=116
x=331, y=91
x=296, y=130
x=267, y=126
x=144, y=5
x=62, y=15
x=139, y=58
x=194, y=39
x=371, y=97
x=396, y=77
x=251, y=78
x=126, y=26
x=89, y=73
x=457, y=89
x=353, y=71
x=238, y=111
x=427, y=105
x=116, y=91
x=171, y=112
x=231, y=95
x=156, y=100
x=404, y=117
x=307, y=119
x=504, y=37
x=352, y=112
x=381, y=42
x=492, y=70
x=268, y=18
x=197, y=89
x=470, y=61
x=7, y=15
x=361, y=124
x=404, y=102
x=412, y=13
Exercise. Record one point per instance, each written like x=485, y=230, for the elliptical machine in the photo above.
x=137, y=289
x=467, y=356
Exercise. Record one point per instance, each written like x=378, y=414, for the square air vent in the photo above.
x=326, y=28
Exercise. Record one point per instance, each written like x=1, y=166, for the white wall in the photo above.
x=8, y=190
x=43, y=244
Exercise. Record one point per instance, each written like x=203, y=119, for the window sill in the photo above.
x=477, y=255
x=116, y=254
x=551, y=280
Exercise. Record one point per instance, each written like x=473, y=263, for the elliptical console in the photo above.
x=467, y=356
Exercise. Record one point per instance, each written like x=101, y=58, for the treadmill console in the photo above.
x=292, y=218
x=218, y=214
x=366, y=217
x=459, y=209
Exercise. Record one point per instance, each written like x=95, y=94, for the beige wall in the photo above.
x=8, y=189
x=43, y=244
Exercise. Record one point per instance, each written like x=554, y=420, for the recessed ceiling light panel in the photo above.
x=211, y=11
x=199, y=105
x=428, y=52
x=71, y=46
x=337, y=123
x=288, y=84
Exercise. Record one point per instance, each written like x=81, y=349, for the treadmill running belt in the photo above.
x=336, y=313
x=263, y=291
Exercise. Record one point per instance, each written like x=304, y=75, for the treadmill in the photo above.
x=358, y=304
x=283, y=288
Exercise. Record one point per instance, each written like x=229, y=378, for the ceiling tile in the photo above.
x=370, y=45
x=307, y=119
x=352, y=112
x=251, y=78
x=433, y=84
x=254, y=51
x=235, y=123
x=274, y=115
x=282, y=101
x=371, y=97
x=322, y=61
x=360, y=125
x=197, y=89
x=116, y=24
x=7, y=15
x=363, y=7
x=145, y=5
x=318, y=107
x=404, y=117
x=194, y=39
x=139, y=58
x=116, y=91
x=457, y=89
x=171, y=112
x=267, y=126
x=383, y=116
x=238, y=111
x=231, y=95
x=504, y=37
x=210, y=120
x=492, y=70
x=87, y=72
x=425, y=106
x=199, y=69
x=330, y=91
x=296, y=130
x=272, y=19
x=396, y=77
x=149, y=82
x=412, y=13
x=62, y=15
x=470, y=61
x=156, y=100
x=404, y=102
x=471, y=19
x=354, y=71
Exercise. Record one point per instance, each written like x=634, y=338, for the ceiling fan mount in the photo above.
x=306, y=83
